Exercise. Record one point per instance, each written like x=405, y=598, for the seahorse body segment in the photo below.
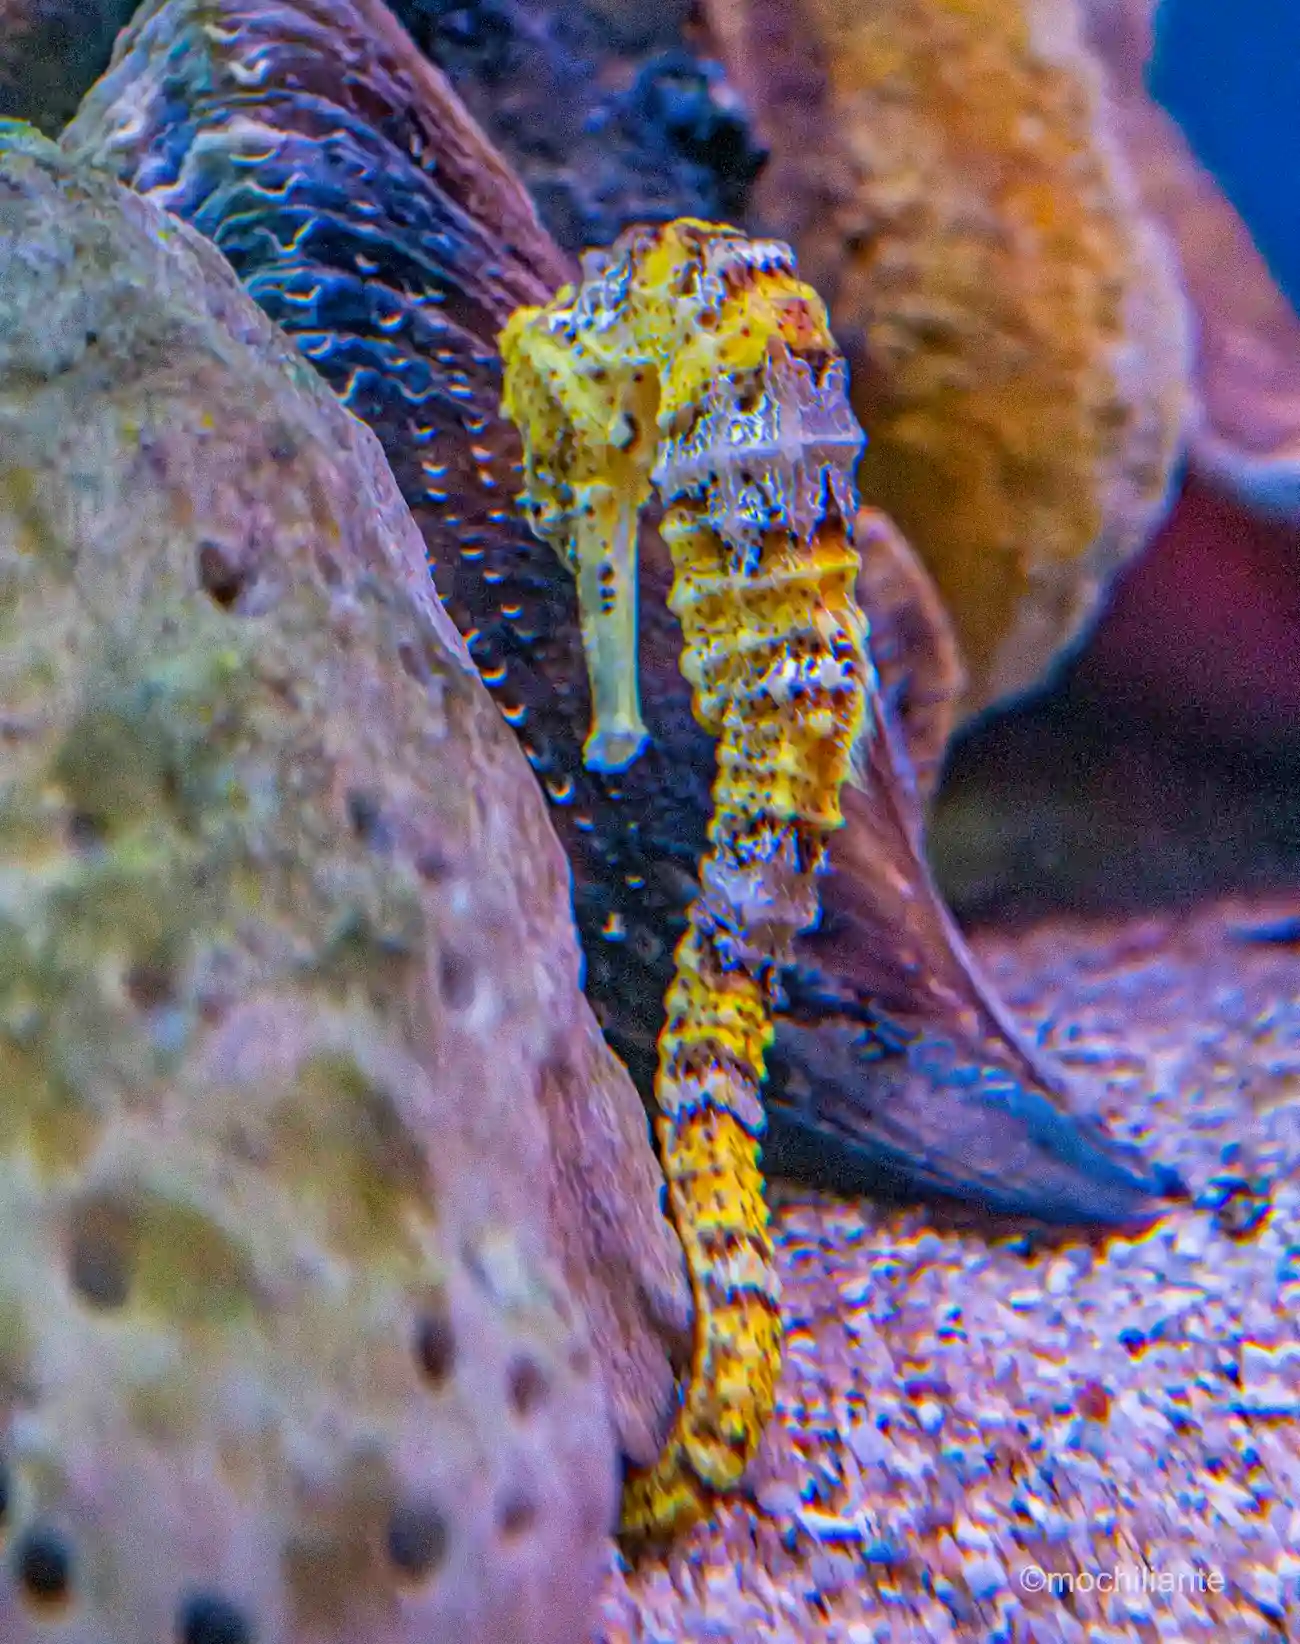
x=692, y=361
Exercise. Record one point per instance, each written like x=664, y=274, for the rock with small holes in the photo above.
x=295, y=1071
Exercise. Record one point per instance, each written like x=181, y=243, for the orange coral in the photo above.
x=1016, y=333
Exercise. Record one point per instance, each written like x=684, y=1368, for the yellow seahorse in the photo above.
x=692, y=360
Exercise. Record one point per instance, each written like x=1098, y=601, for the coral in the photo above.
x=692, y=360
x=1247, y=335
x=1016, y=331
x=290, y=1024
x=260, y=132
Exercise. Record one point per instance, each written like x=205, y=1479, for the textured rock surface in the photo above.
x=50, y=51
x=1016, y=331
x=1247, y=333
x=411, y=353
x=971, y=1419
x=295, y=1076
x=603, y=107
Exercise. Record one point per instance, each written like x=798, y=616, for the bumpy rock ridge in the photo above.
x=290, y=1028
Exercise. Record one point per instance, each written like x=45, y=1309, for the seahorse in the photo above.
x=693, y=362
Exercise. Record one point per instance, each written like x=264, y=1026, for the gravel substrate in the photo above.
x=988, y=1437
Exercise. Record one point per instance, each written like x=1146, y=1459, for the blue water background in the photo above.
x=1229, y=73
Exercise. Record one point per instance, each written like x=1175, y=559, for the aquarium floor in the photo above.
x=987, y=1437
